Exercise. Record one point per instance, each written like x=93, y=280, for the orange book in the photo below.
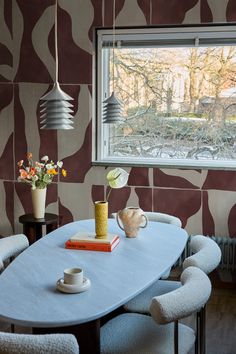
x=92, y=246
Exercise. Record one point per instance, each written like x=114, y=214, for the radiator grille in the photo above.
x=228, y=249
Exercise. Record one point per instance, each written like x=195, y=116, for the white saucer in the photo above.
x=72, y=288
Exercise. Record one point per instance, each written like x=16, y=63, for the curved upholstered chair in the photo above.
x=11, y=343
x=207, y=256
x=165, y=218
x=159, y=217
x=136, y=333
x=11, y=246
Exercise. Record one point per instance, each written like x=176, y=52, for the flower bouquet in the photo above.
x=38, y=175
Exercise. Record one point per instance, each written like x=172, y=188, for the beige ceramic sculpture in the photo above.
x=130, y=220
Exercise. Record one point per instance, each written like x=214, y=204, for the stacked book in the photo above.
x=87, y=241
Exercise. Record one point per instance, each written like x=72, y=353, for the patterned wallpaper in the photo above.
x=203, y=200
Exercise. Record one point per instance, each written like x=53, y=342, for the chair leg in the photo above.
x=176, y=337
x=203, y=330
x=197, y=341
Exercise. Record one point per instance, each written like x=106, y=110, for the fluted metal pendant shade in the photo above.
x=56, y=109
x=112, y=110
x=112, y=107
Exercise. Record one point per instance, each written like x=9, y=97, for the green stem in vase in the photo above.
x=109, y=192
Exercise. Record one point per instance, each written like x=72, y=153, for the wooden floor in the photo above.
x=220, y=312
x=221, y=322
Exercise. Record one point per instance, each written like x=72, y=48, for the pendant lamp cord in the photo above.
x=113, y=45
x=56, y=46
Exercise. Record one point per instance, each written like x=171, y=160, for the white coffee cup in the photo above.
x=73, y=276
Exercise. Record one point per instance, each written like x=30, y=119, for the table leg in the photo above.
x=38, y=231
x=50, y=228
x=29, y=233
x=87, y=335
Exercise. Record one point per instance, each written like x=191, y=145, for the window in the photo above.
x=178, y=89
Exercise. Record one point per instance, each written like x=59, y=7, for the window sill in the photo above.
x=177, y=164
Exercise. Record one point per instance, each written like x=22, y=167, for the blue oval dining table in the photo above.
x=28, y=294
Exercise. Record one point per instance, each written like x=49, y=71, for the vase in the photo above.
x=131, y=219
x=101, y=218
x=38, y=200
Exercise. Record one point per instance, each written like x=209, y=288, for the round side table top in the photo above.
x=30, y=219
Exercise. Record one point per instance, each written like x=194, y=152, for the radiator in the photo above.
x=228, y=249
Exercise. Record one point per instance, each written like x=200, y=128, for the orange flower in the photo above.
x=52, y=171
x=32, y=171
x=20, y=163
x=23, y=174
x=64, y=173
x=29, y=155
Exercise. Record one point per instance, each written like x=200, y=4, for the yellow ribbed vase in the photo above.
x=101, y=216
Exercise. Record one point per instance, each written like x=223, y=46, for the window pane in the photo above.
x=179, y=103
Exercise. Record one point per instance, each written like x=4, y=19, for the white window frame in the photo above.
x=221, y=34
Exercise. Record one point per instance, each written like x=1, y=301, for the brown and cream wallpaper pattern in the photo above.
x=204, y=200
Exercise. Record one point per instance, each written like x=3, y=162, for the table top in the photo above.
x=28, y=294
x=30, y=219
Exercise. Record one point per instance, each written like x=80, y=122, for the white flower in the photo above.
x=117, y=178
x=38, y=169
x=39, y=164
x=49, y=166
x=45, y=158
x=59, y=164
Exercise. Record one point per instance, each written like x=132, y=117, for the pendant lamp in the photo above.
x=112, y=107
x=56, y=109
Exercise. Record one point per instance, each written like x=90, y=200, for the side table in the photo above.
x=33, y=228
